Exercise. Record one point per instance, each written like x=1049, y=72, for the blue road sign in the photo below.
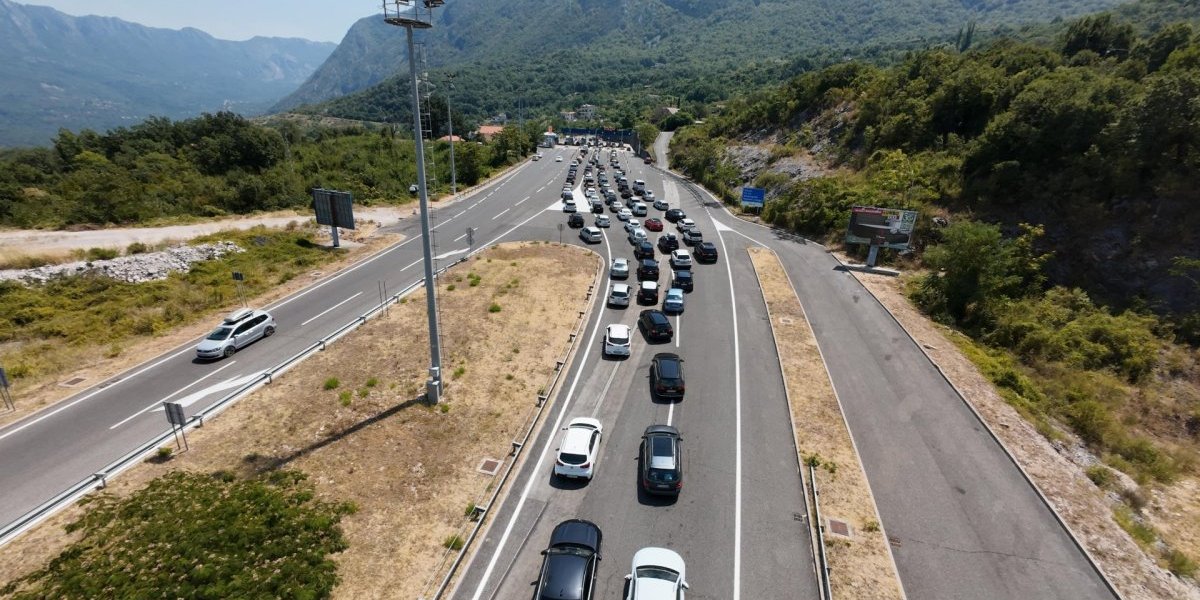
x=753, y=196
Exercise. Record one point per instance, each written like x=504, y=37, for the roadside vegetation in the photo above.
x=48, y=329
x=166, y=171
x=1056, y=186
x=193, y=535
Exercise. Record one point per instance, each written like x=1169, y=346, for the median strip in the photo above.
x=860, y=560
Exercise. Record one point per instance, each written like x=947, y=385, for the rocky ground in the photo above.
x=135, y=268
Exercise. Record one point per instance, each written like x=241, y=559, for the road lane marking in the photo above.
x=326, y=311
x=540, y=189
x=172, y=394
x=607, y=384
x=737, y=394
x=678, y=329
x=92, y=394
x=499, y=214
x=413, y=263
x=521, y=202
x=460, y=237
x=550, y=440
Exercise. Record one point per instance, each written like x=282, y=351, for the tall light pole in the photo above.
x=418, y=14
x=450, y=124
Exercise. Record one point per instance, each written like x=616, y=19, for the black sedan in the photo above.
x=575, y=220
x=673, y=215
x=647, y=270
x=569, y=564
x=666, y=374
x=705, y=252
x=643, y=250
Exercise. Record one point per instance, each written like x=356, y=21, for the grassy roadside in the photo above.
x=348, y=419
x=861, y=565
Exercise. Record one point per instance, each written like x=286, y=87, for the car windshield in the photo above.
x=619, y=340
x=220, y=333
x=657, y=573
x=572, y=459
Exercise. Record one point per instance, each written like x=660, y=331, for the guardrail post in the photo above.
x=103, y=477
x=516, y=447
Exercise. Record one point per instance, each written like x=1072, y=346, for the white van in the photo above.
x=591, y=235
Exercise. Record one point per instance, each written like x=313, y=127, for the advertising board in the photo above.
x=882, y=227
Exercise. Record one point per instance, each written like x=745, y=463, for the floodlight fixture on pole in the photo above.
x=418, y=14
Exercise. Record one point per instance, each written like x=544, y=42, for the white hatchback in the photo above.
x=619, y=295
x=579, y=449
x=624, y=214
x=658, y=574
x=620, y=268
x=681, y=260
x=616, y=340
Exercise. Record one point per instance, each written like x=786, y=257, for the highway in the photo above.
x=965, y=524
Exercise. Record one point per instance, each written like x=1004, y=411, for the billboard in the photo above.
x=883, y=227
x=333, y=208
x=753, y=197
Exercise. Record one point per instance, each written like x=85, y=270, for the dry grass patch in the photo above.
x=409, y=467
x=861, y=567
x=1086, y=508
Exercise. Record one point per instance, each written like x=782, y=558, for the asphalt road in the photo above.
x=739, y=522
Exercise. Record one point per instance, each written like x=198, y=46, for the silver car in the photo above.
x=619, y=295
x=238, y=330
x=620, y=269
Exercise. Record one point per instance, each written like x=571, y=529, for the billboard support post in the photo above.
x=872, y=256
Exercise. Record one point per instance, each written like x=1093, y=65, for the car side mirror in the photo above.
x=628, y=577
x=686, y=586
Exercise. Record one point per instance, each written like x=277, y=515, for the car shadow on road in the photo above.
x=264, y=464
x=567, y=483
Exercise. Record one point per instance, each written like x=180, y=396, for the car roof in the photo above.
x=679, y=252
x=661, y=430
x=578, y=532
x=621, y=287
x=675, y=292
x=577, y=439
x=591, y=230
x=238, y=315
x=620, y=261
x=649, y=262
x=649, y=285
x=654, y=314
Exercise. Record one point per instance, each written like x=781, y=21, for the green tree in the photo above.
x=1101, y=34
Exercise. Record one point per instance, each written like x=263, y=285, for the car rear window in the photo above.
x=668, y=369
x=572, y=459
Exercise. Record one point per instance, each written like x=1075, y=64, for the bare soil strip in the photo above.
x=410, y=468
x=861, y=564
x=1084, y=507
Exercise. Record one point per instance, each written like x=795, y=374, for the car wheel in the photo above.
x=229, y=350
x=268, y=332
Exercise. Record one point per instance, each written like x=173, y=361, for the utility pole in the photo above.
x=450, y=124
x=411, y=14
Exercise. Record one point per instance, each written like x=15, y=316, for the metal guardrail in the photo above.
x=496, y=486
x=99, y=479
x=822, y=560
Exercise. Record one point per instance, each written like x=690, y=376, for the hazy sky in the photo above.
x=319, y=20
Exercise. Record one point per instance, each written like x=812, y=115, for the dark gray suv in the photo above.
x=661, y=460
x=569, y=564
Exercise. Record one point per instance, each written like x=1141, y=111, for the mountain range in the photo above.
x=568, y=51
x=100, y=72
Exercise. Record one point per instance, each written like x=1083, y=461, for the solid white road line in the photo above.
x=537, y=468
x=737, y=387
x=604, y=392
x=413, y=263
x=94, y=393
x=678, y=328
x=460, y=237
x=173, y=394
x=499, y=214
x=330, y=309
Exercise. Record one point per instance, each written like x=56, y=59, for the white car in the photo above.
x=569, y=206
x=637, y=236
x=558, y=158
x=620, y=269
x=619, y=295
x=236, y=331
x=657, y=574
x=616, y=340
x=632, y=224
x=684, y=224
x=601, y=221
x=648, y=195
x=591, y=235
x=638, y=209
x=680, y=259
x=579, y=449
x=624, y=214
x=661, y=204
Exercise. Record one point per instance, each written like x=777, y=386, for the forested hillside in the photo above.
x=547, y=57
x=98, y=72
x=220, y=164
x=1058, y=199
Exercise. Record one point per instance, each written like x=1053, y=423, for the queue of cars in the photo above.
x=570, y=561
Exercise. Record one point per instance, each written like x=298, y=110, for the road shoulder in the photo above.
x=861, y=563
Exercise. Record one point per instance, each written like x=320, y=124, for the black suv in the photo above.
x=666, y=374
x=569, y=563
x=648, y=270
x=668, y=242
x=673, y=215
x=682, y=280
x=661, y=460
x=644, y=250
x=575, y=220
x=655, y=326
x=705, y=252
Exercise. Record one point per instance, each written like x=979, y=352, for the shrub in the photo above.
x=1180, y=564
x=453, y=542
x=332, y=383
x=372, y=382
x=494, y=308
x=1100, y=475
x=459, y=372
x=164, y=452
x=450, y=288
x=191, y=535
x=101, y=254
x=344, y=397
x=137, y=248
x=364, y=392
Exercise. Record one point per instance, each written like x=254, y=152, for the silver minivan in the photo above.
x=236, y=331
x=591, y=235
